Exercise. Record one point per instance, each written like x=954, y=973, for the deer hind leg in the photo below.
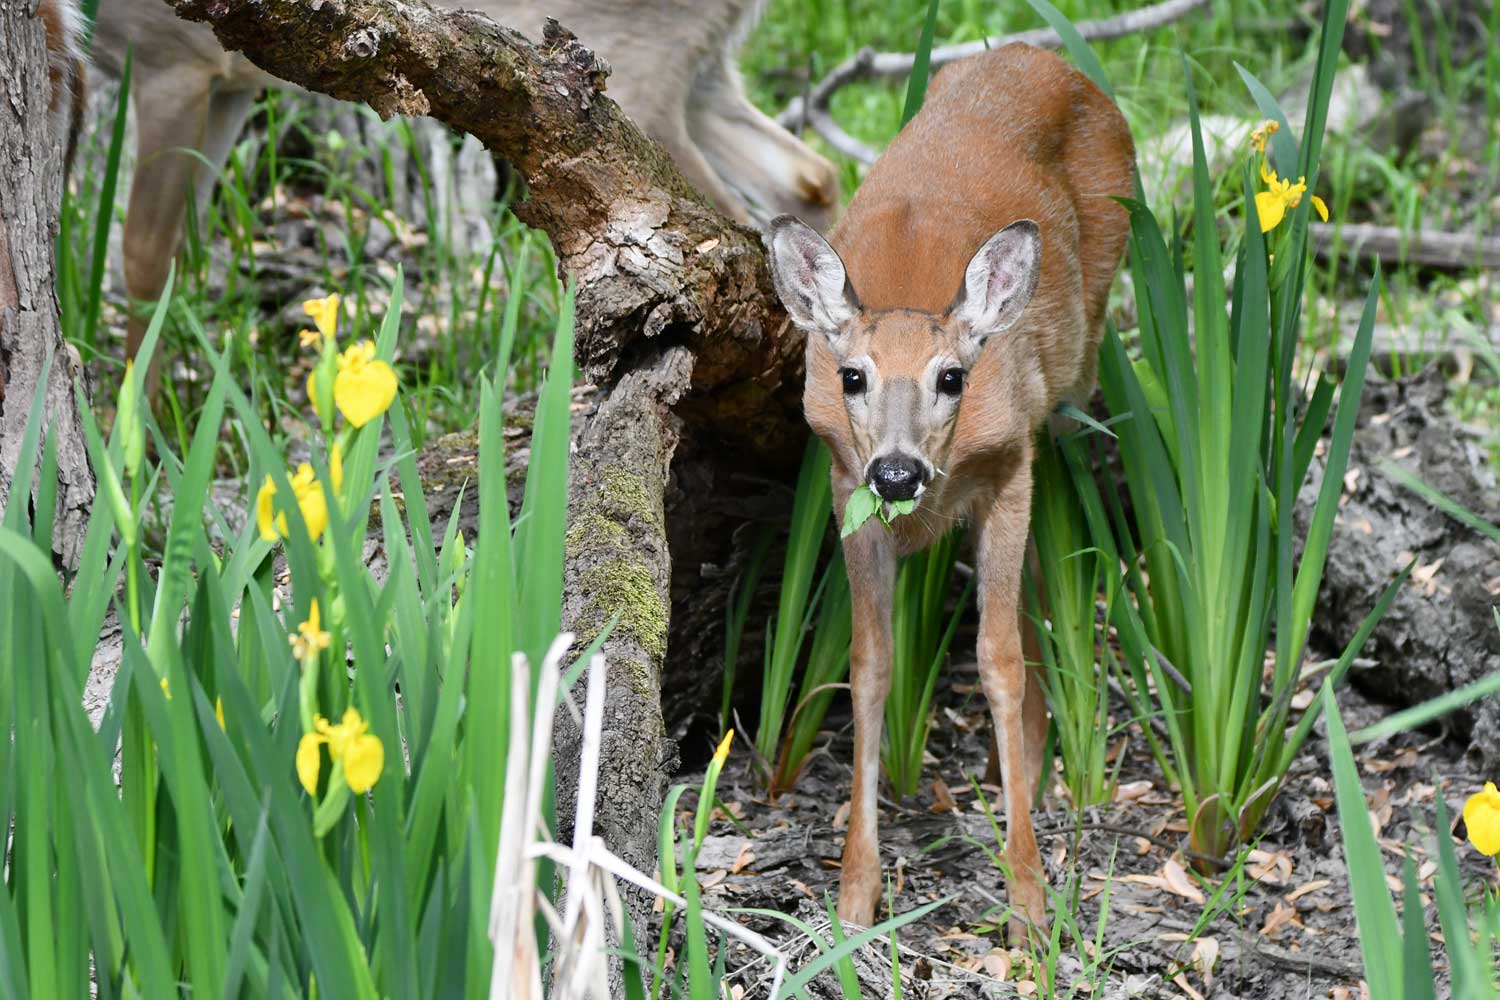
x=770, y=169
x=177, y=114
x=1033, y=713
x=1034, y=705
x=872, y=579
x=1007, y=686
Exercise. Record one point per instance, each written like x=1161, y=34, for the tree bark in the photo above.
x=31, y=345
x=697, y=372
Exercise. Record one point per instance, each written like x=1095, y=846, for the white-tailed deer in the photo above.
x=960, y=298
x=673, y=72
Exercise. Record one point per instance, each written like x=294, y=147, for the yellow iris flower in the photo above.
x=349, y=743
x=310, y=639
x=325, y=313
x=365, y=386
x=310, y=499
x=1280, y=195
x=1482, y=817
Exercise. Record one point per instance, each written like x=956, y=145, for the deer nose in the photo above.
x=897, y=477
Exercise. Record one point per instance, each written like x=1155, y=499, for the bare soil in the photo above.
x=1282, y=925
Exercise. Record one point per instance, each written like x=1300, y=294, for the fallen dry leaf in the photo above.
x=1177, y=881
x=841, y=816
x=997, y=964
x=1308, y=887
x=943, y=798
x=1206, y=956
x=1282, y=917
x=1180, y=981
x=1130, y=791
x=742, y=859
x=1273, y=868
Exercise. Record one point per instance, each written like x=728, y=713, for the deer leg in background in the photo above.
x=171, y=115
x=1003, y=529
x=772, y=170
x=871, y=563
x=1033, y=713
x=175, y=117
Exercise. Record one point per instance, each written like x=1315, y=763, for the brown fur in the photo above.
x=1014, y=134
x=65, y=70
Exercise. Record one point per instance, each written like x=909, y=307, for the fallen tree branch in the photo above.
x=651, y=257
x=866, y=64
x=1444, y=251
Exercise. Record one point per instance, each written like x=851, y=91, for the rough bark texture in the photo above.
x=30, y=187
x=697, y=370
x=1440, y=632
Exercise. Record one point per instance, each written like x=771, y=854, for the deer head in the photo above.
x=903, y=372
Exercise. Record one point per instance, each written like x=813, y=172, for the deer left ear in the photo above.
x=999, y=280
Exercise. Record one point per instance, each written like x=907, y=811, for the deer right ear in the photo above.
x=810, y=278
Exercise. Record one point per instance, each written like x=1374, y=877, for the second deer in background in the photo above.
x=673, y=72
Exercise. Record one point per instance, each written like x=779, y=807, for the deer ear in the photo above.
x=810, y=278
x=999, y=280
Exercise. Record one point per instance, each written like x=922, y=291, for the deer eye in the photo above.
x=854, y=381
x=951, y=382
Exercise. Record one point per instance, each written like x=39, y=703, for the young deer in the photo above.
x=960, y=298
x=673, y=72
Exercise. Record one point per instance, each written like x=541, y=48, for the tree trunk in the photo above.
x=697, y=370
x=31, y=345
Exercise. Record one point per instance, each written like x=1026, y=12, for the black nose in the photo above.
x=897, y=477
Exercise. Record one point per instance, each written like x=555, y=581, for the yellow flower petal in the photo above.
x=310, y=499
x=264, y=515
x=325, y=313
x=309, y=339
x=308, y=761
x=1482, y=817
x=345, y=734
x=365, y=386
x=1270, y=208
x=1320, y=208
x=723, y=749
x=364, y=759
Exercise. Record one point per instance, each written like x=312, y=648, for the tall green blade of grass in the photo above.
x=921, y=632
x=827, y=667
x=1379, y=938
x=539, y=531
x=105, y=210
x=487, y=702
x=811, y=510
x=916, y=87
